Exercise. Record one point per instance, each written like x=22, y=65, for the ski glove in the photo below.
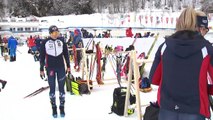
x=68, y=70
x=42, y=75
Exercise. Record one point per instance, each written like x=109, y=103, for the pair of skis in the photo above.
x=148, y=54
x=37, y=92
x=107, y=51
x=91, y=63
x=98, y=61
x=42, y=89
x=124, y=64
x=75, y=56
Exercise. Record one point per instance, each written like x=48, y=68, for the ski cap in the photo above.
x=202, y=21
x=77, y=32
x=53, y=28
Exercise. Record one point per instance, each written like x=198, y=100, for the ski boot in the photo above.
x=14, y=58
x=11, y=59
x=3, y=83
x=54, y=110
x=61, y=107
x=98, y=79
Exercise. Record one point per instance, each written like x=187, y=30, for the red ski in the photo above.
x=75, y=57
x=98, y=60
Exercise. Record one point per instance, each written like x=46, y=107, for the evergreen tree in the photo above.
x=207, y=6
x=64, y=7
x=86, y=8
x=1, y=8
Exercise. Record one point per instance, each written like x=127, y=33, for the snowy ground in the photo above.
x=23, y=78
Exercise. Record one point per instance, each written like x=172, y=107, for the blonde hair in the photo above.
x=187, y=20
x=201, y=13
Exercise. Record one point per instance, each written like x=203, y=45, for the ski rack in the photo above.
x=85, y=71
x=136, y=62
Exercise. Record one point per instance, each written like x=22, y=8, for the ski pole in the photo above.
x=19, y=51
x=89, y=42
x=110, y=61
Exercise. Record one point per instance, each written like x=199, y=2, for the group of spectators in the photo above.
x=138, y=35
x=34, y=44
x=107, y=34
x=8, y=47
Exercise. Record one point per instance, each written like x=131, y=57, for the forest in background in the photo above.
x=23, y=8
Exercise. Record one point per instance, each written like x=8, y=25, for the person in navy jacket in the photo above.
x=38, y=42
x=53, y=51
x=181, y=68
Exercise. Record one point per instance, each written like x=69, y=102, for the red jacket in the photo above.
x=31, y=42
x=129, y=32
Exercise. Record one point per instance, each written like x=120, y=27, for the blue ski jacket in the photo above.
x=182, y=67
x=52, y=54
x=12, y=43
x=77, y=40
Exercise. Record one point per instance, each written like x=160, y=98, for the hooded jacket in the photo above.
x=180, y=68
x=77, y=41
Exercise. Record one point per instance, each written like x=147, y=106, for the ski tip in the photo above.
x=27, y=97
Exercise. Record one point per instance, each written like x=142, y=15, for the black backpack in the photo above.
x=151, y=112
x=119, y=96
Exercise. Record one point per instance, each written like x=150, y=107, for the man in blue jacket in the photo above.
x=12, y=45
x=53, y=51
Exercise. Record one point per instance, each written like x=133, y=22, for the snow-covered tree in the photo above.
x=207, y=6
x=1, y=8
x=64, y=7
